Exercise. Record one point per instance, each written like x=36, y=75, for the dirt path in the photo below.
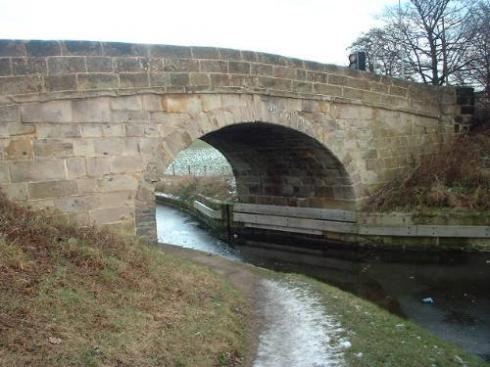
x=288, y=324
x=242, y=278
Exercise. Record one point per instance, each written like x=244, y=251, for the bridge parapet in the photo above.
x=47, y=70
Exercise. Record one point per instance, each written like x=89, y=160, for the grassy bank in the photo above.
x=87, y=297
x=379, y=338
x=456, y=177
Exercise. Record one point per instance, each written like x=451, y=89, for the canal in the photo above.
x=448, y=294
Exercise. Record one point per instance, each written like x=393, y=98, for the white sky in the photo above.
x=318, y=30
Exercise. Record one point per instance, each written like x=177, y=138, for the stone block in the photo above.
x=130, y=116
x=302, y=87
x=159, y=79
x=50, y=131
x=87, y=185
x=12, y=48
x=353, y=93
x=238, y=67
x=52, y=148
x=98, y=81
x=43, y=48
x=91, y=130
x=133, y=64
x=353, y=112
x=124, y=49
x=398, y=91
x=179, y=79
x=115, y=146
x=181, y=104
x=285, y=72
x=135, y=130
x=76, y=168
x=170, y=52
x=66, y=65
x=9, y=114
x=31, y=65
x=16, y=191
x=111, y=215
x=12, y=85
x=274, y=83
x=115, y=183
x=61, y=82
x=199, y=79
x=17, y=129
x=133, y=80
x=4, y=173
x=19, y=149
x=52, y=189
x=5, y=67
x=127, y=164
x=113, y=130
x=213, y=66
x=91, y=110
x=76, y=204
x=99, y=64
x=211, y=102
x=37, y=170
x=54, y=111
x=357, y=83
x=81, y=48
x=83, y=147
x=131, y=103
x=261, y=69
x=157, y=65
x=336, y=79
x=152, y=102
x=116, y=199
x=180, y=65
x=317, y=77
x=45, y=204
x=205, y=53
x=99, y=166
x=220, y=80
x=230, y=54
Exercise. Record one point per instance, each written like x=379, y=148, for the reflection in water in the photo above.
x=177, y=228
x=459, y=285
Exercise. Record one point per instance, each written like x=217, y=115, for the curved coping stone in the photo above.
x=46, y=70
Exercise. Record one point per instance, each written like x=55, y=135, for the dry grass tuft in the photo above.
x=75, y=296
x=456, y=177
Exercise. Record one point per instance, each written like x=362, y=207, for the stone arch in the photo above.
x=277, y=153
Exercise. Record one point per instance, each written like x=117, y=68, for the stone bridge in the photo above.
x=88, y=127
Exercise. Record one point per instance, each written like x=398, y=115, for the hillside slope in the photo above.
x=87, y=297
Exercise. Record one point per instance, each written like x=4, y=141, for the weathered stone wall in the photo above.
x=87, y=127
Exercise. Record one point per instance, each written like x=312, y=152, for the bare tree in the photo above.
x=477, y=73
x=427, y=39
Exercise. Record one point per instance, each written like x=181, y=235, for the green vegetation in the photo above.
x=456, y=177
x=380, y=338
x=87, y=297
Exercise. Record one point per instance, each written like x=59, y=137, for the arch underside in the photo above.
x=275, y=165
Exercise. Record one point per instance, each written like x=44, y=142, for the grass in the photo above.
x=381, y=339
x=87, y=297
x=455, y=177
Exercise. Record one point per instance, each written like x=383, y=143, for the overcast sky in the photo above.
x=318, y=30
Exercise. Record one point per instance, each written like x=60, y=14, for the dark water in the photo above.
x=459, y=284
